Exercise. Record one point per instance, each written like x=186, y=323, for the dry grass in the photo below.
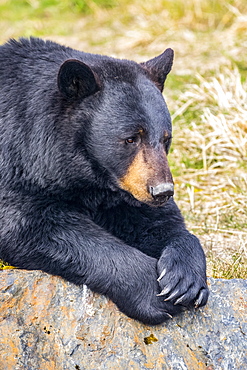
x=206, y=94
x=219, y=138
x=216, y=181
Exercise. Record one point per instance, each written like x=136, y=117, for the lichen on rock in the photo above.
x=49, y=324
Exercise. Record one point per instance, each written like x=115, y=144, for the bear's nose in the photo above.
x=162, y=192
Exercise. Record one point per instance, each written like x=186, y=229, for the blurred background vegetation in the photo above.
x=206, y=94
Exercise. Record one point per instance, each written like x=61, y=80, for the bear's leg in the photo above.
x=160, y=232
x=68, y=244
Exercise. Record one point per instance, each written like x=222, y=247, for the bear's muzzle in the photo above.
x=148, y=178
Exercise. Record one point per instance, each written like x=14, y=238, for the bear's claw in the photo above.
x=165, y=291
x=170, y=316
x=202, y=298
x=160, y=277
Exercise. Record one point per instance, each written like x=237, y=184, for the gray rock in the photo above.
x=49, y=324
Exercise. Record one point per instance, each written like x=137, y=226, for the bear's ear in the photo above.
x=159, y=67
x=76, y=80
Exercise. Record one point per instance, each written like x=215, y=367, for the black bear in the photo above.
x=86, y=190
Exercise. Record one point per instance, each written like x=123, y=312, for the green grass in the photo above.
x=206, y=94
x=19, y=9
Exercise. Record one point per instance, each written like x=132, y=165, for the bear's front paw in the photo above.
x=149, y=308
x=181, y=281
x=141, y=301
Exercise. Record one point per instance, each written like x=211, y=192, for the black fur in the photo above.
x=65, y=116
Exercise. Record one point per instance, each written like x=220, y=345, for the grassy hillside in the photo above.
x=206, y=94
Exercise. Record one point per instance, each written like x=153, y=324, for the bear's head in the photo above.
x=126, y=127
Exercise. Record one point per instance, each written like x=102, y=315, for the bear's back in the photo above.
x=33, y=64
x=27, y=59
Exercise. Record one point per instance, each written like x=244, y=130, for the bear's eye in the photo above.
x=167, y=143
x=132, y=140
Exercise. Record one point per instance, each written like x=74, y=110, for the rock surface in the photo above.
x=49, y=324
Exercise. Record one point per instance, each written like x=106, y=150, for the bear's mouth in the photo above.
x=158, y=202
x=161, y=201
x=155, y=196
